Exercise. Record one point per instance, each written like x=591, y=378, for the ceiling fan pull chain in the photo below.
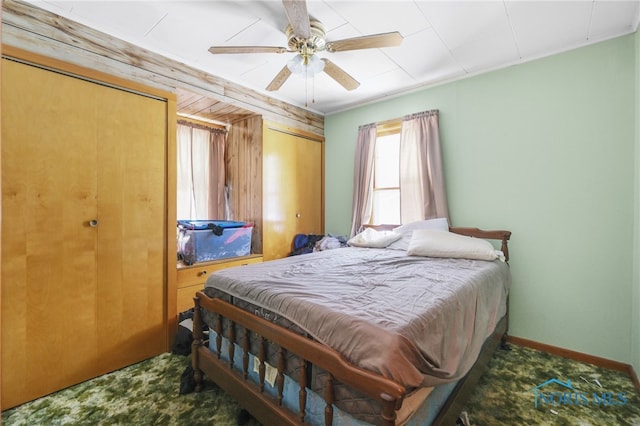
x=306, y=88
x=313, y=89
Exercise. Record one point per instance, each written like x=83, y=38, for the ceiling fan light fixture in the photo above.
x=306, y=37
x=305, y=65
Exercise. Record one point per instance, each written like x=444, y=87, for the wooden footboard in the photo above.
x=267, y=409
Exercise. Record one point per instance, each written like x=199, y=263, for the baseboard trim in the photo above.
x=579, y=356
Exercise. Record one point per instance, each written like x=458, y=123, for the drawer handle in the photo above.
x=202, y=273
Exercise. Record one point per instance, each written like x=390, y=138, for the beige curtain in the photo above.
x=363, y=177
x=422, y=189
x=201, y=172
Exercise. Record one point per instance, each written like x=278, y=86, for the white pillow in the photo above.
x=406, y=230
x=427, y=242
x=374, y=239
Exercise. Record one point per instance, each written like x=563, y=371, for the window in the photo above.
x=386, y=176
x=201, y=171
x=398, y=175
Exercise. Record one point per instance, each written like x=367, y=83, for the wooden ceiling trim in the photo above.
x=201, y=106
x=185, y=99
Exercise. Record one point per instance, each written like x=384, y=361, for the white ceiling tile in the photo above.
x=323, y=12
x=478, y=34
x=257, y=33
x=382, y=16
x=190, y=29
x=475, y=56
x=485, y=53
x=271, y=12
x=613, y=18
x=459, y=23
x=387, y=83
x=542, y=28
x=344, y=31
x=234, y=67
x=127, y=18
x=423, y=56
x=197, y=23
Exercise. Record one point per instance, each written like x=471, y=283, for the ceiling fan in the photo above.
x=306, y=36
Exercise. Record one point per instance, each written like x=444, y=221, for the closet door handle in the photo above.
x=298, y=215
x=93, y=223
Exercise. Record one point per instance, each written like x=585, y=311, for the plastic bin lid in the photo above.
x=204, y=224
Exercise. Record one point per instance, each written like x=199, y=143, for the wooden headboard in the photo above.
x=502, y=236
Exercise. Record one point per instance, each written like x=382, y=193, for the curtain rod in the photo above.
x=395, y=120
x=211, y=127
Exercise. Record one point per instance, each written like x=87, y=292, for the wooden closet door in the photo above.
x=309, y=185
x=131, y=140
x=292, y=192
x=78, y=300
x=49, y=185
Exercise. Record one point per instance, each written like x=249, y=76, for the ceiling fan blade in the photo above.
x=298, y=17
x=279, y=79
x=247, y=49
x=365, y=42
x=340, y=75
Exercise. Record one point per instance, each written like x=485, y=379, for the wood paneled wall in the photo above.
x=36, y=30
x=245, y=174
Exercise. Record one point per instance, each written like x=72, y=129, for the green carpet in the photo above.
x=506, y=394
x=147, y=394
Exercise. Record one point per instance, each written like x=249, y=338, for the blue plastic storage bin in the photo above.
x=204, y=240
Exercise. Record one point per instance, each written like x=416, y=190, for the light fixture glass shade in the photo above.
x=305, y=67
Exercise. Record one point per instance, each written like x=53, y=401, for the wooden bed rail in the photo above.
x=265, y=407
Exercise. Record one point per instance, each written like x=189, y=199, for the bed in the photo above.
x=356, y=335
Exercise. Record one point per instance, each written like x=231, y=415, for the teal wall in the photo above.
x=547, y=150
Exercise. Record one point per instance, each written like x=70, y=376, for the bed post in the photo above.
x=389, y=407
x=504, y=340
x=197, y=342
x=505, y=246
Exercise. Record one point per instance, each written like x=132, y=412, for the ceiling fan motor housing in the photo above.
x=309, y=46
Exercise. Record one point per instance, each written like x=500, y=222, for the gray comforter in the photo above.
x=417, y=320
